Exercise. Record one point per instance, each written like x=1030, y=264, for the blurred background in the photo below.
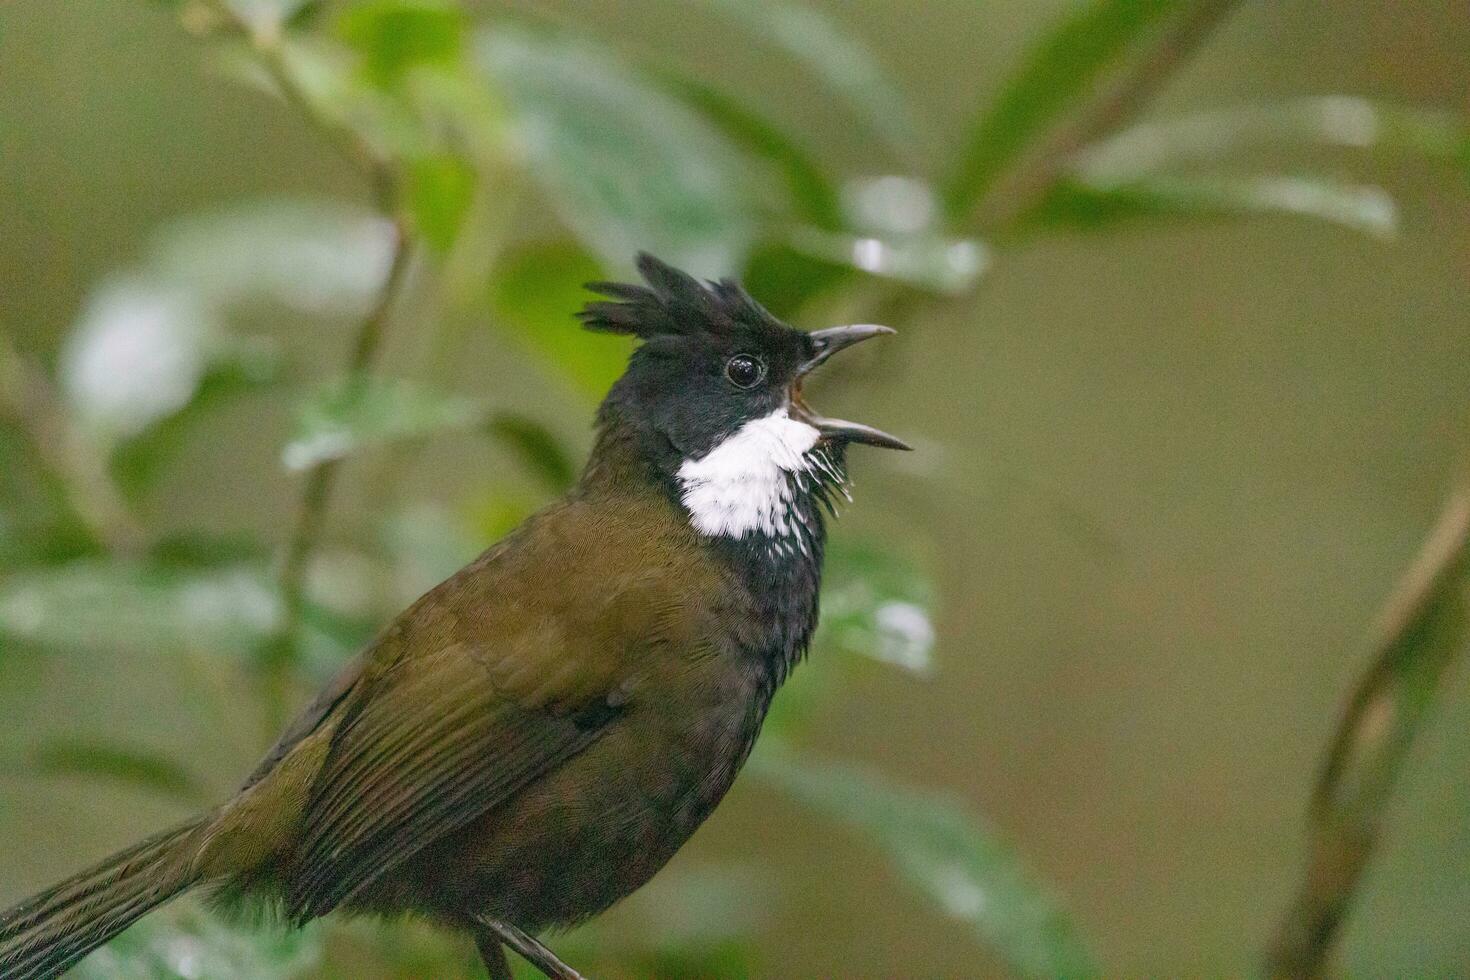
x=1182, y=291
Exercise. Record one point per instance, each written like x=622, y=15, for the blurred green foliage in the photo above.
x=461, y=120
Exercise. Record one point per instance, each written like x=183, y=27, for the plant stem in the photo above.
x=1421, y=631
x=1022, y=188
x=264, y=41
x=284, y=653
x=316, y=494
x=77, y=465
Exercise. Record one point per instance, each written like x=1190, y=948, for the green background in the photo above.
x=1164, y=478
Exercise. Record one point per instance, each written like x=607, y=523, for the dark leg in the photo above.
x=493, y=954
x=538, y=955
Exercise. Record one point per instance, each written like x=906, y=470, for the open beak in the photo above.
x=828, y=342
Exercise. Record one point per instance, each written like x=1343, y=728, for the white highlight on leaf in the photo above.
x=743, y=484
x=958, y=891
x=136, y=356
x=905, y=636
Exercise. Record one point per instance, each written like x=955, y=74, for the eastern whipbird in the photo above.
x=536, y=736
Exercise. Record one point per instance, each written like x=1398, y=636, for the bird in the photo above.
x=535, y=737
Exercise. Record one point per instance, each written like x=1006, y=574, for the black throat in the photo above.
x=782, y=574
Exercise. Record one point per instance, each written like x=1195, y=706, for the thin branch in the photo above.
x=311, y=509
x=77, y=465
x=316, y=494
x=1421, y=632
x=531, y=949
x=265, y=43
x=1116, y=104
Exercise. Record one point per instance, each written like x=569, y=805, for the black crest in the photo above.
x=673, y=302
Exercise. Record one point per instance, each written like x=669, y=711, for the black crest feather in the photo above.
x=672, y=303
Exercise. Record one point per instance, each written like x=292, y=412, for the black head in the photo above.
x=712, y=360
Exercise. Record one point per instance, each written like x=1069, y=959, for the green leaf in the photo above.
x=362, y=413
x=103, y=606
x=426, y=546
x=150, y=337
x=943, y=265
x=947, y=853
x=396, y=36
x=877, y=606
x=893, y=230
x=787, y=280
x=1064, y=66
x=440, y=191
x=316, y=257
x=537, y=448
x=1342, y=121
x=846, y=65
x=812, y=194
x=627, y=166
x=137, y=354
x=185, y=942
x=101, y=760
x=266, y=17
x=1360, y=208
x=535, y=297
x=251, y=368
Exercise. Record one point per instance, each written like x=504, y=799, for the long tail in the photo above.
x=45, y=934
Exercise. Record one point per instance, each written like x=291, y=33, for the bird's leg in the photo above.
x=538, y=955
x=492, y=954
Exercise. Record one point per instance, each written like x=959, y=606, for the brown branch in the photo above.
x=311, y=510
x=310, y=515
x=1420, y=633
x=73, y=461
x=265, y=44
x=1117, y=103
x=531, y=949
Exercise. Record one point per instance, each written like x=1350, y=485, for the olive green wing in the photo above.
x=426, y=749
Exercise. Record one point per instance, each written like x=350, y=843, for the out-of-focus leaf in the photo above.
x=137, y=355
x=786, y=280
x=811, y=193
x=34, y=525
x=427, y=545
x=876, y=605
x=536, y=296
x=409, y=949
x=948, y=853
x=893, y=230
x=497, y=515
x=250, y=368
x=440, y=191
x=945, y=265
x=845, y=64
x=627, y=166
x=102, y=760
x=396, y=36
x=1329, y=120
x=148, y=339
x=364, y=412
x=195, y=550
x=267, y=17
x=318, y=257
x=537, y=448
x=99, y=605
x=1065, y=64
x=1361, y=208
x=187, y=942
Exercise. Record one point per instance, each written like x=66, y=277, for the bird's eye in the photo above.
x=744, y=371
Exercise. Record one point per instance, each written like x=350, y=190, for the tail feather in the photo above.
x=45, y=934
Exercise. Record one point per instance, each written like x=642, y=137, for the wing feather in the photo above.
x=435, y=745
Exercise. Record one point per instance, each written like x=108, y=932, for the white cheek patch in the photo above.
x=743, y=485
